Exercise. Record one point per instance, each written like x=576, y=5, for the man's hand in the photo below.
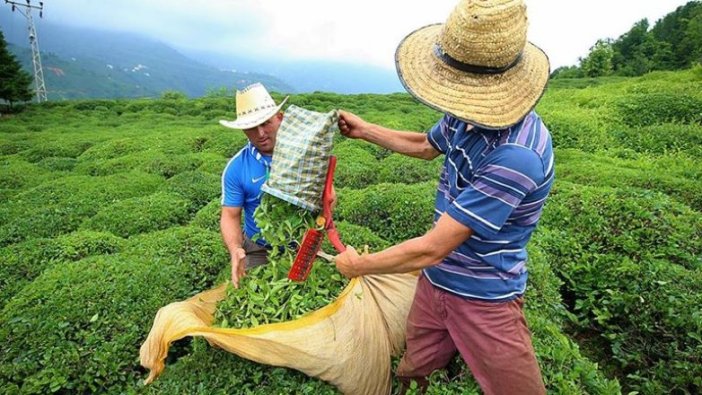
x=346, y=263
x=238, y=266
x=351, y=125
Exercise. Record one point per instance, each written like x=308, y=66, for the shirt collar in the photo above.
x=256, y=154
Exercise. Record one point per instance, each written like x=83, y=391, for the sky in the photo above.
x=359, y=31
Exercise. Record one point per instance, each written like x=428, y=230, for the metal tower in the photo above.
x=26, y=10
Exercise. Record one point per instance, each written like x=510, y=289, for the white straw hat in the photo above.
x=478, y=66
x=254, y=106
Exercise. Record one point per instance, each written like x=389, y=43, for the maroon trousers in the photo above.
x=492, y=338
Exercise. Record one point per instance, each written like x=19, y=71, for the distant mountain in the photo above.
x=81, y=62
x=85, y=63
x=310, y=76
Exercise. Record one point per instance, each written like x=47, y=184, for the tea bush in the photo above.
x=661, y=139
x=12, y=146
x=57, y=164
x=356, y=236
x=196, y=186
x=199, y=253
x=395, y=212
x=77, y=327
x=60, y=206
x=631, y=263
x=356, y=167
x=111, y=149
x=211, y=163
x=675, y=176
x=226, y=143
x=209, y=370
x=21, y=263
x=208, y=216
x=66, y=146
x=149, y=161
x=564, y=368
x=17, y=174
x=655, y=108
x=637, y=224
x=140, y=215
x=401, y=168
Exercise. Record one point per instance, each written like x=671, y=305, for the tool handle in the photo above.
x=332, y=233
x=327, y=194
x=334, y=238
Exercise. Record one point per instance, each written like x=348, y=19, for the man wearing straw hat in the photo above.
x=482, y=73
x=259, y=117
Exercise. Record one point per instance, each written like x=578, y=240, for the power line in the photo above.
x=26, y=10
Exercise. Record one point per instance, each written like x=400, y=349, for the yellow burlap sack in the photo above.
x=348, y=343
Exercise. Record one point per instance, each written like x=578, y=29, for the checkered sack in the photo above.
x=301, y=157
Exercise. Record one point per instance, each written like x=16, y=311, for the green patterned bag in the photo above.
x=301, y=157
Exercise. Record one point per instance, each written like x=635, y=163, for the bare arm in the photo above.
x=413, y=254
x=408, y=143
x=230, y=226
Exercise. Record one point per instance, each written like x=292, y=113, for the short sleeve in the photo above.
x=439, y=135
x=498, y=187
x=232, y=190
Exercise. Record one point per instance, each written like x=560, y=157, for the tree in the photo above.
x=567, y=72
x=598, y=62
x=14, y=82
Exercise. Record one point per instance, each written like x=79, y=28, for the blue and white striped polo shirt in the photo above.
x=494, y=182
x=242, y=179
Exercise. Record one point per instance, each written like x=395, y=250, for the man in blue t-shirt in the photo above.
x=259, y=117
x=479, y=70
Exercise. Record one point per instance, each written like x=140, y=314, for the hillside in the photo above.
x=109, y=210
x=86, y=63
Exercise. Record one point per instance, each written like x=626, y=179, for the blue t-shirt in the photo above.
x=241, y=185
x=494, y=182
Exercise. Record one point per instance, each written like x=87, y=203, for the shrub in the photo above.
x=660, y=107
x=149, y=161
x=57, y=163
x=356, y=167
x=23, y=262
x=10, y=147
x=675, y=176
x=401, y=168
x=395, y=212
x=226, y=373
x=356, y=236
x=196, y=186
x=111, y=149
x=69, y=146
x=200, y=253
x=564, y=369
x=211, y=163
x=18, y=175
x=60, y=206
x=226, y=143
x=140, y=215
x=631, y=267
x=77, y=328
x=661, y=139
x=620, y=221
x=208, y=216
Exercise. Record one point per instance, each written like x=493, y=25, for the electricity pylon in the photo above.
x=26, y=10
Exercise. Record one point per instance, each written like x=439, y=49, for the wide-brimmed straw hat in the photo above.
x=478, y=66
x=254, y=106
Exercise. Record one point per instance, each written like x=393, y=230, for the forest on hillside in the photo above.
x=673, y=43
